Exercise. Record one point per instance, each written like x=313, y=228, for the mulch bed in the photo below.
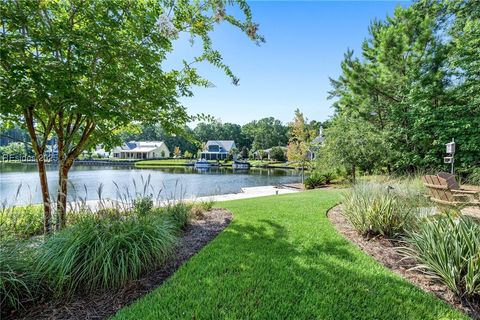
x=104, y=305
x=385, y=252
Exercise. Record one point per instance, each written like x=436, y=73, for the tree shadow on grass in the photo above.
x=322, y=278
x=265, y=270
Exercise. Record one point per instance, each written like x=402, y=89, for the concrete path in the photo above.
x=250, y=192
x=246, y=193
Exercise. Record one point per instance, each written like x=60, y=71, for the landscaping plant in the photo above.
x=18, y=282
x=386, y=209
x=21, y=221
x=474, y=177
x=448, y=248
x=314, y=180
x=98, y=254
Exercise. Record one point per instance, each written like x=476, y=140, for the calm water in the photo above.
x=174, y=182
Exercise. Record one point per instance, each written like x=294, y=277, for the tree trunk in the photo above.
x=66, y=158
x=63, y=169
x=47, y=209
x=39, y=149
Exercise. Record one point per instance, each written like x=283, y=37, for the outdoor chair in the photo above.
x=443, y=188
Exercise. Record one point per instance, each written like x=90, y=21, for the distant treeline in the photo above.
x=255, y=135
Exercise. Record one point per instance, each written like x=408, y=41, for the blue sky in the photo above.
x=305, y=43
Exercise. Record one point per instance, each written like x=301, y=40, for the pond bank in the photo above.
x=246, y=193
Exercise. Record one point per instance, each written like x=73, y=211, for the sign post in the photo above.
x=451, y=155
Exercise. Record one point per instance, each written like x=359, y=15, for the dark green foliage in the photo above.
x=244, y=152
x=265, y=133
x=449, y=249
x=278, y=154
x=18, y=281
x=314, y=180
x=329, y=176
x=354, y=144
x=319, y=178
x=98, y=254
x=474, y=177
x=416, y=83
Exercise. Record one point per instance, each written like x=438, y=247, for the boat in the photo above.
x=240, y=164
x=202, y=163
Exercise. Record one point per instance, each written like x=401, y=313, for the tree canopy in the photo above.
x=83, y=70
x=415, y=83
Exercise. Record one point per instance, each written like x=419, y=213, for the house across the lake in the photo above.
x=217, y=149
x=141, y=150
x=316, y=144
x=262, y=154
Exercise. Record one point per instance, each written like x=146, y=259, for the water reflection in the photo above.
x=174, y=181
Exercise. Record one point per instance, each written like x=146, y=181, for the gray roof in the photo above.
x=224, y=144
x=139, y=146
x=318, y=140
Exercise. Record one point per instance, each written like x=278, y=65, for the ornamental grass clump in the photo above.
x=179, y=214
x=98, y=254
x=386, y=209
x=21, y=221
x=448, y=249
x=18, y=281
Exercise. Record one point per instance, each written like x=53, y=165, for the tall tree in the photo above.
x=266, y=133
x=83, y=69
x=353, y=143
x=299, y=142
x=404, y=84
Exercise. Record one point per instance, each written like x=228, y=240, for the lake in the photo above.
x=181, y=182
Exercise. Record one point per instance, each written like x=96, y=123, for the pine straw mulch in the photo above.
x=196, y=235
x=384, y=251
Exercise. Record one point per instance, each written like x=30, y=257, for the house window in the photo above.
x=214, y=148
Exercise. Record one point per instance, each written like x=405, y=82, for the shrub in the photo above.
x=97, y=254
x=449, y=249
x=18, y=282
x=474, y=177
x=315, y=179
x=199, y=208
x=179, y=214
x=142, y=205
x=329, y=176
x=386, y=209
x=21, y=221
x=277, y=154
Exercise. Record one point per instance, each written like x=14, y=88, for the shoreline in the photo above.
x=245, y=193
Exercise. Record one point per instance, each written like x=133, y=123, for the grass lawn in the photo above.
x=172, y=163
x=281, y=258
x=160, y=163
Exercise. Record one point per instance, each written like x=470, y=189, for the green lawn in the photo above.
x=281, y=259
x=160, y=163
x=172, y=163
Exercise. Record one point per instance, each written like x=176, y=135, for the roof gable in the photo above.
x=226, y=145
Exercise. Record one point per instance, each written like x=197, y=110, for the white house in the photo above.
x=316, y=144
x=217, y=149
x=141, y=150
x=259, y=154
